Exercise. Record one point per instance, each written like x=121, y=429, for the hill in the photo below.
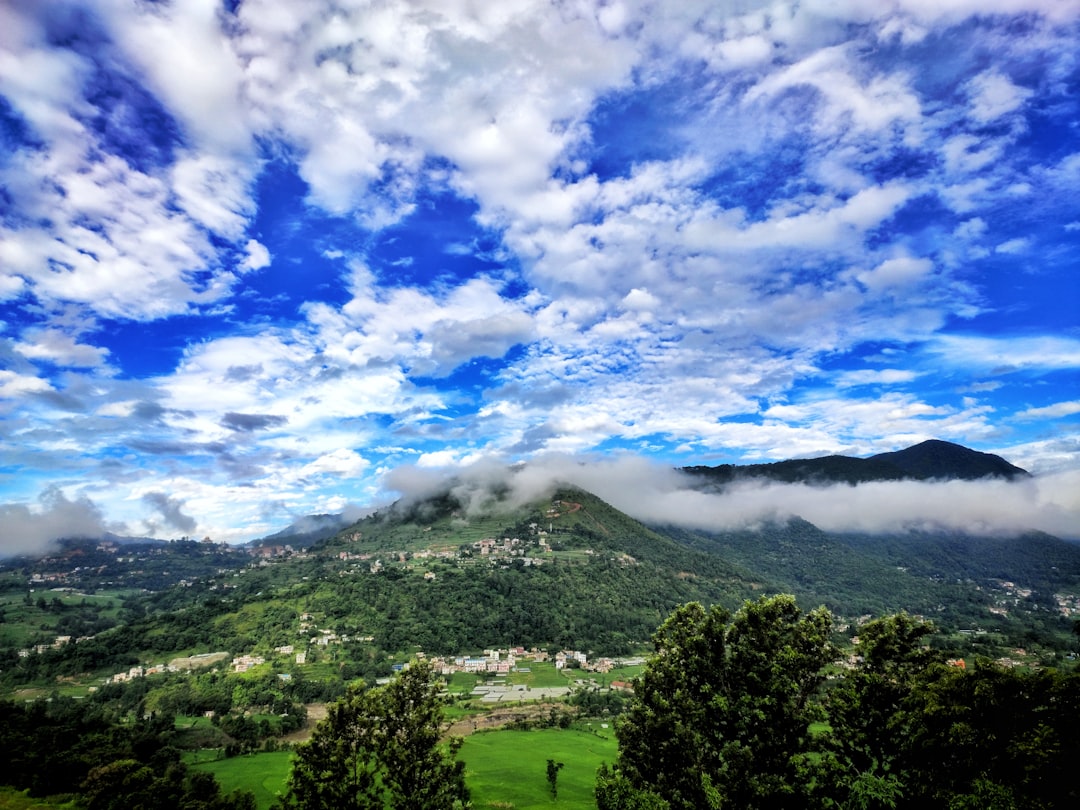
x=447, y=576
x=929, y=460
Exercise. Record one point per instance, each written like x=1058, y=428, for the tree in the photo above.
x=722, y=710
x=553, y=769
x=380, y=747
x=867, y=714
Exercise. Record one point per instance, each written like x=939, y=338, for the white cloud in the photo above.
x=886, y=376
x=13, y=384
x=993, y=95
x=57, y=347
x=34, y=530
x=659, y=494
x=1006, y=354
x=872, y=103
x=1014, y=246
x=896, y=274
x=1057, y=410
x=342, y=462
x=257, y=257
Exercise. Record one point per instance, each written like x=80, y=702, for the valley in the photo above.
x=537, y=615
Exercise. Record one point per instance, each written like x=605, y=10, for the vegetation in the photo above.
x=379, y=747
x=722, y=713
x=892, y=727
x=724, y=716
x=65, y=746
x=508, y=768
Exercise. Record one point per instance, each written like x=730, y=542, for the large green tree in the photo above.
x=867, y=713
x=722, y=711
x=380, y=747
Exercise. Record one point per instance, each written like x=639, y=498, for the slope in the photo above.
x=929, y=460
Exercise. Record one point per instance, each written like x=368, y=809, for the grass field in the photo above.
x=11, y=799
x=504, y=769
x=262, y=774
x=508, y=769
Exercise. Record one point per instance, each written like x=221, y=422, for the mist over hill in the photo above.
x=931, y=486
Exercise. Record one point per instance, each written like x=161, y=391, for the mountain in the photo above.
x=930, y=460
x=305, y=532
x=445, y=576
x=935, y=459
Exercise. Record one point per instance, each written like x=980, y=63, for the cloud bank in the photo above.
x=26, y=530
x=660, y=495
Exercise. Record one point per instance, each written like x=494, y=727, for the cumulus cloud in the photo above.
x=55, y=346
x=679, y=225
x=34, y=529
x=258, y=256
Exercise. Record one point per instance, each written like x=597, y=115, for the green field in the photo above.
x=506, y=769
x=11, y=799
x=262, y=774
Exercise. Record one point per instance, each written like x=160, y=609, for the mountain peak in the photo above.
x=935, y=458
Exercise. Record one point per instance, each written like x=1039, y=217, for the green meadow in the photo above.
x=262, y=774
x=504, y=769
x=508, y=769
x=11, y=799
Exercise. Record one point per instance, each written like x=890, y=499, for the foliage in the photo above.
x=553, y=769
x=380, y=747
x=75, y=747
x=505, y=767
x=722, y=712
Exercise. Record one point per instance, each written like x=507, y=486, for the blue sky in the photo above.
x=258, y=258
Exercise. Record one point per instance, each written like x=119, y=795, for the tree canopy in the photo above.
x=721, y=714
x=380, y=747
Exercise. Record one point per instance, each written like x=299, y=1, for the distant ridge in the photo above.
x=937, y=459
x=930, y=460
x=305, y=532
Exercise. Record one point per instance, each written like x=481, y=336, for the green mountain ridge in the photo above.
x=451, y=574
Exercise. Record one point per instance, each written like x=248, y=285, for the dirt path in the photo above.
x=315, y=713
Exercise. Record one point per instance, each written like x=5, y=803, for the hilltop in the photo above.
x=931, y=460
x=461, y=570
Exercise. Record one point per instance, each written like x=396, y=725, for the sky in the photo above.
x=260, y=260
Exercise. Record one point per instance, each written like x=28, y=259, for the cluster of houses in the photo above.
x=505, y=661
x=58, y=642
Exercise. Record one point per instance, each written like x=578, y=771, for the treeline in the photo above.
x=749, y=711
x=598, y=604
x=80, y=748
x=951, y=576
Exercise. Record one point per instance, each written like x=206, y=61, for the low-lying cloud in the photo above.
x=661, y=495
x=26, y=530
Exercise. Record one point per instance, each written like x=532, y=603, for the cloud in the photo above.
x=686, y=226
x=34, y=530
x=662, y=495
x=886, y=376
x=1006, y=354
x=55, y=346
x=993, y=95
x=1056, y=411
x=249, y=422
x=171, y=511
x=257, y=257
